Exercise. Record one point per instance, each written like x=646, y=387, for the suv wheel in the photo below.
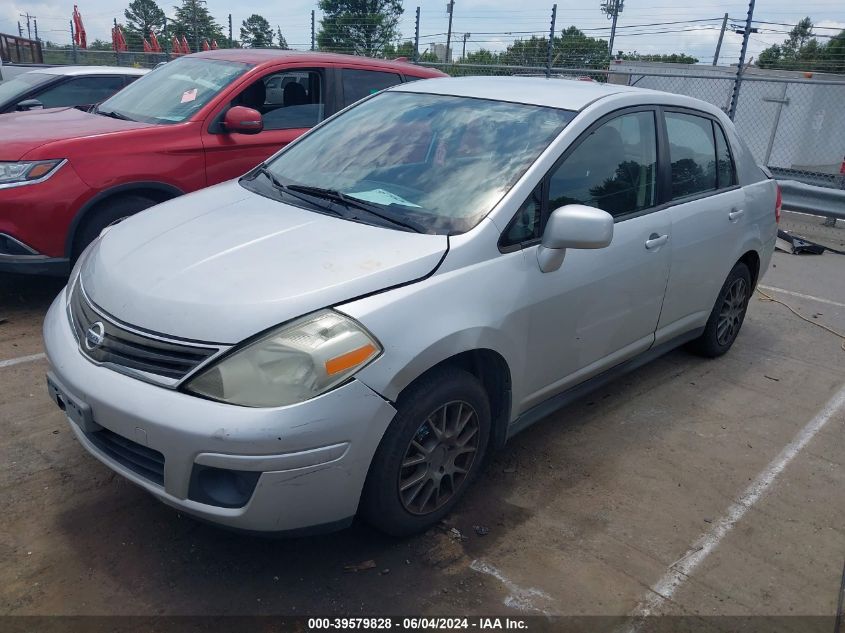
x=727, y=315
x=430, y=454
x=106, y=213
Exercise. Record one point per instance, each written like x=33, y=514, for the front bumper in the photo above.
x=312, y=457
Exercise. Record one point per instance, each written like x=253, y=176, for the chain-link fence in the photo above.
x=794, y=125
x=88, y=57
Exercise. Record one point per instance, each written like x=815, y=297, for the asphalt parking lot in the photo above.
x=688, y=487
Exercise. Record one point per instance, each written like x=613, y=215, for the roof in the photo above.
x=556, y=92
x=267, y=55
x=90, y=70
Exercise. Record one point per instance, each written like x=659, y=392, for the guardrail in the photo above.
x=798, y=196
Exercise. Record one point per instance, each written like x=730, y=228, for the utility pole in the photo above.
x=312, y=29
x=612, y=9
x=721, y=37
x=450, y=8
x=194, y=20
x=231, y=44
x=739, y=69
x=464, y=50
x=20, y=29
x=114, y=43
x=166, y=41
x=417, y=37
x=28, y=26
x=35, y=25
x=551, y=42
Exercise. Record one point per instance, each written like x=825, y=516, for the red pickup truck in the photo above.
x=193, y=122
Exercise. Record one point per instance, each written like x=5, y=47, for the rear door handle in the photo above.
x=735, y=214
x=654, y=240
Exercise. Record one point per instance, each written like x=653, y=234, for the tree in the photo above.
x=359, y=27
x=282, y=42
x=802, y=51
x=99, y=45
x=190, y=13
x=142, y=16
x=256, y=32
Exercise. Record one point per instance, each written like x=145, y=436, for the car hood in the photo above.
x=223, y=264
x=22, y=132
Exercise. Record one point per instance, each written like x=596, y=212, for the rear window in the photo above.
x=692, y=152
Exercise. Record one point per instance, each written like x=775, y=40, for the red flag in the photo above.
x=147, y=47
x=205, y=45
x=185, y=48
x=214, y=45
x=79, y=36
x=121, y=41
x=154, y=45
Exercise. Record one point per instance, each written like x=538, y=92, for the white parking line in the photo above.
x=680, y=570
x=22, y=359
x=521, y=598
x=803, y=296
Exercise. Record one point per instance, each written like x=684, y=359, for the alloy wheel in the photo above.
x=439, y=457
x=731, y=312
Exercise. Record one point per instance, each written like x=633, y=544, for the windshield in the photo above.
x=440, y=162
x=13, y=88
x=174, y=92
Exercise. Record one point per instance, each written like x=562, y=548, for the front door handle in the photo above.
x=735, y=214
x=654, y=240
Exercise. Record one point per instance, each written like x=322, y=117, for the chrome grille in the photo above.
x=123, y=348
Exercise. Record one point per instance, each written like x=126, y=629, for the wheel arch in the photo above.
x=157, y=191
x=492, y=370
x=751, y=258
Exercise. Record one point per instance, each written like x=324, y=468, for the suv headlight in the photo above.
x=293, y=363
x=26, y=172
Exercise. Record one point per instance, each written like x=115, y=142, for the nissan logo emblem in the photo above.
x=95, y=335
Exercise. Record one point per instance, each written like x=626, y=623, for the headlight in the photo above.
x=27, y=172
x=291, y=364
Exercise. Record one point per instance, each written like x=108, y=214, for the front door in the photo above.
x=290, y=102
x=602, y=306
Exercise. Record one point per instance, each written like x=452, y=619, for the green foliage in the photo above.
x=142, y=16
x=99, y=45
x=802, y=51
x=256, y=32
x=359, y=27
x=673, y=58
x=192, y=12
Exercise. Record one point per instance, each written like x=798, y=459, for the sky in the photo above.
x=492, y=23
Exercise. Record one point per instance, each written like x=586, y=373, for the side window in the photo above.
x=692, y=154
x=614, y=168
x=286, y=100
x=80, y=91
x=358, y=84
x=724, y=162
x=525, y=225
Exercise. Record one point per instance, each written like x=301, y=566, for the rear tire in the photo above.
x=430, y=454
x=727, y=315
x=106, y=213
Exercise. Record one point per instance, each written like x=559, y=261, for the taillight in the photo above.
x=778, y=203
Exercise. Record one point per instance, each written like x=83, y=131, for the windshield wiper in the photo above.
x=113, y=114
x=280, y=186
x=355, y=203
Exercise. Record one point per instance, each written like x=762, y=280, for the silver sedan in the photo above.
x=350, y=328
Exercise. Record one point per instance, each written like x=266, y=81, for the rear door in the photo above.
x=290, y=100
x=708, y=218
x=602, y=306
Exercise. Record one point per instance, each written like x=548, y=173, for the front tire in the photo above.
x=727, y=316
x=430, y=454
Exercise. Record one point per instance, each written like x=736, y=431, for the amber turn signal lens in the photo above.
x=350, y=359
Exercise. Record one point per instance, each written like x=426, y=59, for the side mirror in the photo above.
x=29, y=104
x=243, y=120
x=573, y=226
